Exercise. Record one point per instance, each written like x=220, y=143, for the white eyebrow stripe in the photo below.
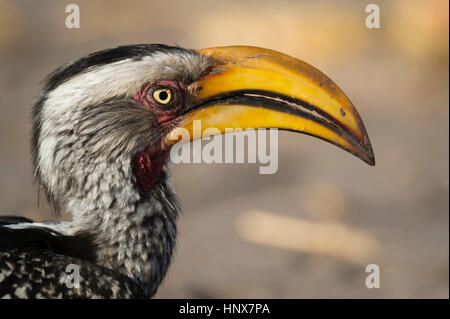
x=121, y=78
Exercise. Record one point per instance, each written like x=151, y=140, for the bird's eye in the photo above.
x=162, y=96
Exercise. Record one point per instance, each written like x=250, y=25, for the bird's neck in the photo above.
x=136, y=235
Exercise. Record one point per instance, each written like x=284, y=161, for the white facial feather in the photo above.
x=124, y=78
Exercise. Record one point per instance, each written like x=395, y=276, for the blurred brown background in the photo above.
x=309, y=230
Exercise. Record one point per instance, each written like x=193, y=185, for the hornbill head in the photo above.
x=104, y=125
x=126, y=103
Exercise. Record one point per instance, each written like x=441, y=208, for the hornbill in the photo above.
x=103, y=128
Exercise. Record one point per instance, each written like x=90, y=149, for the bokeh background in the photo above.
x=310, y=230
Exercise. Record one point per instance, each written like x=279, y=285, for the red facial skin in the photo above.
x=147, y=166
x=148, y=163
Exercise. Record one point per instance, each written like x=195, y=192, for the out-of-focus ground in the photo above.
x=309, y=230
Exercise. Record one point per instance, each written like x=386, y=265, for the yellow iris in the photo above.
x=162, y=96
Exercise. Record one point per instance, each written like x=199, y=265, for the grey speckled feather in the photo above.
x=87, y=128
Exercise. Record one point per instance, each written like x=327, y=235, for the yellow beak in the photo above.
x=251, y=87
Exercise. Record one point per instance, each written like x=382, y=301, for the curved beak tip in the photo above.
x=369, y=157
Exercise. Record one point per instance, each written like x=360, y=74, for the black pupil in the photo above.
x=163, y=95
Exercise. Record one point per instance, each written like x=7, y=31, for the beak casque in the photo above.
x=251, y=87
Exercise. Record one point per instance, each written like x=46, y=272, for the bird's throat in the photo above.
x=147, y=166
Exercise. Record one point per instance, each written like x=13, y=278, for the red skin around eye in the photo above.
x=150, y=104
x=148, y=163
